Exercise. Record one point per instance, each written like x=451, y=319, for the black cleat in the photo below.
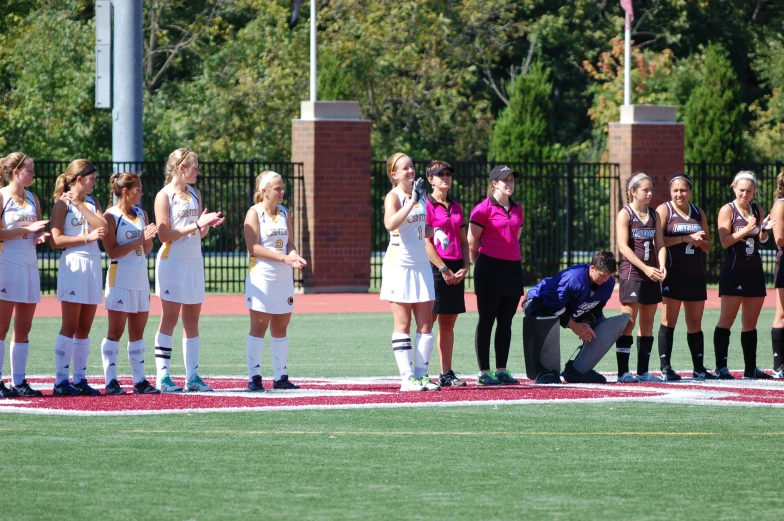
x=703, y=374
x=757, y=375
x=145, y=387
x=668, y=375
x=573, y=376
x=450, y=379
x=85, y=389
x=65, y=389
x=548, y=377
x=113, y=388
x=7, y=392
x=255, y=385
x=284, y=383
x=25, y=391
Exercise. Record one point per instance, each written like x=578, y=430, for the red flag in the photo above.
x=626, y=5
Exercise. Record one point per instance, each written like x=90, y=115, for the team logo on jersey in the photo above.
x=290, y=300
x=133, y=234
x=686, y=228
x=644, y=233
x=77, y=221
x=188, y=212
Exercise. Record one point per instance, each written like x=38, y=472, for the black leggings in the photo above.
x=500, y=310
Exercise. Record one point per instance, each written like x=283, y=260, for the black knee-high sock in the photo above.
x=748, y=341
x=644, y=348
x=721, y=345
x=777, y=342
x=623, y=348
x=665, y=345
x=696, y=343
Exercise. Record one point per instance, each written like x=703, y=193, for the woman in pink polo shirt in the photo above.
x=494, y=247
x=449, y=265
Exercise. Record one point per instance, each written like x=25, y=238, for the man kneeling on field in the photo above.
x=574, y=298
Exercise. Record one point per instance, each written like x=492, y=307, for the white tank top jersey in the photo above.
x=76, y=225
x=273, y=235
x=407, y=243
x=130, y=270
x=182, y=213
x=20, y=250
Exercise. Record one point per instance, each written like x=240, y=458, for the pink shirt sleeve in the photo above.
x=479, y=214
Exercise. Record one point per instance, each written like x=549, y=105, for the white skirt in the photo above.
x=127, y=300
x=181, y=282
x=275, y=296
x=79, y=279
x=19, y=282
x=407, y=285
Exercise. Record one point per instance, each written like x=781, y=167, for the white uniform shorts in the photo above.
x=19, y=282
x=407, y=285
x=127, y=300
x=181, y=282
x=79, y=279
x=275, y=296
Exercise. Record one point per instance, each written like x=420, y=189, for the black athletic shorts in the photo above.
x=498, y=277
x=736, y=283
x=778, y=275
x=450, y=299
x=640, y=291
x=684, y=287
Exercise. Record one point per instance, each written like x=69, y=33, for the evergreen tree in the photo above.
x=523, y=131
x=714, y=113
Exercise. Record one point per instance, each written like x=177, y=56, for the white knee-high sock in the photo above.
x=2, y=358
x=279, y=349
x=191, y=348
x=109, y=353
x=63, y=352
x=136, y=358
x=19, y=351
x=401, y=347
x=163, y=351
x=81, y=352
x=424, y=347
x=254, y=353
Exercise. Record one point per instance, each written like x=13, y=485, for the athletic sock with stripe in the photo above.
x=401, y=347
x=623, y=349
x=163, y=352
x=110, y=350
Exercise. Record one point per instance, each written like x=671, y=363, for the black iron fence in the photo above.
x=712, y=190
x=567, y=210
x=226, y=187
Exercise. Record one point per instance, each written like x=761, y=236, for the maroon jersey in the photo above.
x=641, y=243
x=744, y=255
x=684, y=257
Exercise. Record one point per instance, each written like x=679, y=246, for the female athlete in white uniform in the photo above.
x=21, y=229
x=407, y=281
x=269, y=285
x=128, y=241
x=179, y=268
x=77, y=225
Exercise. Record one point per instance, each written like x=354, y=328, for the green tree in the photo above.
x=713, y=115
x=523, y=131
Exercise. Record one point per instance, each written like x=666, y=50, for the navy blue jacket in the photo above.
x=570, y=294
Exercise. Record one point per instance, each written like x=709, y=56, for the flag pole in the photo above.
x=313, y=24
x=627, y=62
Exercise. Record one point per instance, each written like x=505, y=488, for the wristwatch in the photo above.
x=442, y=269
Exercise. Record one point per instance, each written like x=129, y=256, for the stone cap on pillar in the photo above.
x=651, y=114
x=329, y=110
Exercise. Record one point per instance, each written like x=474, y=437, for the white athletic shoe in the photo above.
x=428, y=384
x=648, y=377
x=626, y=378
x=778, y=372
x=411, y=384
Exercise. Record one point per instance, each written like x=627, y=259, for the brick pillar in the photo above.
x=334, y=145
x=648, y=139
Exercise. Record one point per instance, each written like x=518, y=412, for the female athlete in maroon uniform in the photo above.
x=686, y=238
x=742, y=281
x=641, y=272
x=777, y=331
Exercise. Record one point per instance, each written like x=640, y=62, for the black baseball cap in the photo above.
x=440, y=167
x=502, y=172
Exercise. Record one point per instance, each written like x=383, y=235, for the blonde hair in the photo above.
x=181, y=156
x=127, y=180
x=749, y=176
x=779, y=185
x=75, y=169
x=633, y=183
x=391, y=162
x=11, y=162
x=263, y=181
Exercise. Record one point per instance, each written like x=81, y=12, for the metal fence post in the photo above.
x=569, y=212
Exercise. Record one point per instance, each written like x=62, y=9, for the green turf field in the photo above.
x=582, y=462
